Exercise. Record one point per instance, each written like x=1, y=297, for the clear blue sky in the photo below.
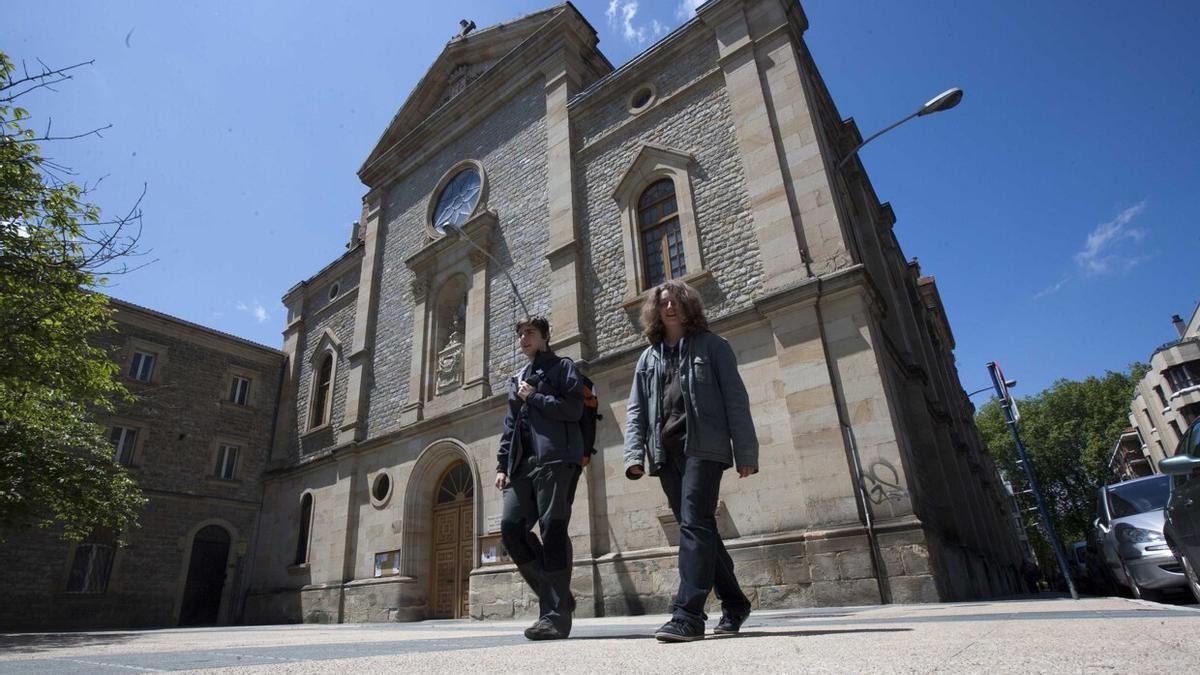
x=1051, y=205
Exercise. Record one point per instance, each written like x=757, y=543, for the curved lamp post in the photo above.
x=943, y=101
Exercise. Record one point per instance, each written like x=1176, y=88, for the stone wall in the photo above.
x=180, y=418
x=694, y=118
x=511, y=145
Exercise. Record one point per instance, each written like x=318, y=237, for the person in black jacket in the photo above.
x=541, y=455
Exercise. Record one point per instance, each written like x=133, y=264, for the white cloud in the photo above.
x=621, y=15
x=1109, y=247
x=259, y=312
x=1049, y=290
x=611, y=12
x=687, y=8
x=657, y=28
x=1102, y=252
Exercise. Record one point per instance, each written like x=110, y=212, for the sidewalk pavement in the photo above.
x=1025, y=635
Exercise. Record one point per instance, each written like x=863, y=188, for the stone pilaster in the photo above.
x=787, y=161
x=475, y=352
x=562, y=81
x=367, y=301
x=413, y=410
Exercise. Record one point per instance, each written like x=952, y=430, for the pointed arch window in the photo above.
x=322, y=393
x=662, y=238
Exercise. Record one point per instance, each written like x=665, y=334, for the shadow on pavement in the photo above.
x=745, y=634
x=32, y=643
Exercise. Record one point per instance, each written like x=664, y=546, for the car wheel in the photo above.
x=1192, y=578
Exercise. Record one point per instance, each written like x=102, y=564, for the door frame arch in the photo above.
x=236, y=545
x=416, y=537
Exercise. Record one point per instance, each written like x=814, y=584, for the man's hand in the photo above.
x=587, y=459
x=524, y=390
x=635, y=470
x=501, y=480
x=744, y=471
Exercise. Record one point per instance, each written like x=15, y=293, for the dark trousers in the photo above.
x=541, y=495
x=692, y=487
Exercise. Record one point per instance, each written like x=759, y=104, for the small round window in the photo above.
x=334, y=290
x=641, y=98
x=381, y=488
x=458, y=198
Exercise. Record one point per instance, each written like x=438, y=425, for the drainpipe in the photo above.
x=853, y=459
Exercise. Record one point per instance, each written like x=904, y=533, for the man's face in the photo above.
x=670, y=312
x=531, y=341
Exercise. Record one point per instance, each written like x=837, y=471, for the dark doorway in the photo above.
x=205, y=577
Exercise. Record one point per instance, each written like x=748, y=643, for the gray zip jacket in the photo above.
x=719, y=426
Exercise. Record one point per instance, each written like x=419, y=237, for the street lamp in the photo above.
x=943, y=101
x=1008, y=383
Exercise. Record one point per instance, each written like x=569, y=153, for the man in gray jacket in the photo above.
x=687, y=420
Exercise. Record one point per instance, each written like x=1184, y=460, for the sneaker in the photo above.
x=544, y=629
x=731, y=622
x=677, y=630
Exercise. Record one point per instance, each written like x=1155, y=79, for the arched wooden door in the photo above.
x=453, y=534
x=205, y=577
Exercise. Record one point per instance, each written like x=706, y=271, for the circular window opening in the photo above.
x=334, y=290
x=381, y=488
x=458, y=199
x=641, y=98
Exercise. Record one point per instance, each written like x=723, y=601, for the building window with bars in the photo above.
x=141, y=366
x=227, y=459
x=124, y=440
x=239, y=390
x=90, y=569
x=662, y=239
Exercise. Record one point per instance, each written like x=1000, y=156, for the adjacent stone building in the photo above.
x=197, y=441
x=1164, y=405
x=713, y=157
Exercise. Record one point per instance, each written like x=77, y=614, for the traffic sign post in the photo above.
x=1010, y=417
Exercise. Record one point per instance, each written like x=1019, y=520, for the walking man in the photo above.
x=539, y=461
x=687, y=420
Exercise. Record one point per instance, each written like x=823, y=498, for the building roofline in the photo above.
x=129, y=306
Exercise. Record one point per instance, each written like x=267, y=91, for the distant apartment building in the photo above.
x=196, y=440
x=1166, y=402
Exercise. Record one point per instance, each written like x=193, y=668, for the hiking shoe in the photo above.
x=731, y=622
x=544, y=629
x=677, y=630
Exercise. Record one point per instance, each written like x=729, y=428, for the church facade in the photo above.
x=712, y=157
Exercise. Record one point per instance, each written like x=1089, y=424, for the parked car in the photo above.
x=1129, y=531
x=1183, y=509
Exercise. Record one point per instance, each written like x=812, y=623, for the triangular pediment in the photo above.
x=463, y=60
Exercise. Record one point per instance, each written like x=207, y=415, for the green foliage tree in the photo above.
x=1068, y=431
x=56, y=466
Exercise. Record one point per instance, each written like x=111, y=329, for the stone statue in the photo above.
x=449, y=360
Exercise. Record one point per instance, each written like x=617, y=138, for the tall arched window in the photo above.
x=306, y=508
x=322, y=393
x=662, y=241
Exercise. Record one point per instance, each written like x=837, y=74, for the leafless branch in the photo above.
x=41, y=79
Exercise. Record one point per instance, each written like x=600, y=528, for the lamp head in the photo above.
x=943, y=101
